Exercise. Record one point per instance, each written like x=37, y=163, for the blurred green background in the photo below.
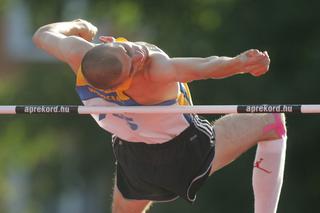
x=64, y=164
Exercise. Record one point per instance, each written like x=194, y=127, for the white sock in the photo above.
x=268, y=174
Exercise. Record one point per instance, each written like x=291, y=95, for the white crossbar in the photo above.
x=204, y=109
x=197, y=109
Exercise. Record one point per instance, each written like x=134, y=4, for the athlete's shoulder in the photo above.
x=151, y=47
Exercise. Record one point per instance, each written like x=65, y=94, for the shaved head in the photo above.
x=101, y=68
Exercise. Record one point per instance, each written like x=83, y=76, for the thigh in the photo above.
x=122, y=205
x=236, y=133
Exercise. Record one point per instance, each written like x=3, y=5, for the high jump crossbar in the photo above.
x=196, y=109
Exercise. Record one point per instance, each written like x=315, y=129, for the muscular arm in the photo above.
x=188, y=69
x=67, y=41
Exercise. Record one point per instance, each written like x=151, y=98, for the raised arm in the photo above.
x=67, y=41
x=188, y=69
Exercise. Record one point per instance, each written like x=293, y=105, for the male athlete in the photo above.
x=162, y=157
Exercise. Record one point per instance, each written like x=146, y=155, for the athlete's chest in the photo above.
x=151, y=94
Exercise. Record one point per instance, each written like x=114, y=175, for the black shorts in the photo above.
x=163, y=172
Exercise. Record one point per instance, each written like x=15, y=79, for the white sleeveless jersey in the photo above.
x=146, y=128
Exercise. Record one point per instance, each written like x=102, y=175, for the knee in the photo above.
x=119, y=202
x=275, y=127
x=116, y=206
x=123, y=205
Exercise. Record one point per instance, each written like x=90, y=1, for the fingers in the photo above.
x=259, y=71
x=255, y=56
x=252, y=57
x=92, y=31
x=266, y=53
x=254, y=62
x=86, y=30
x=256, y=70
x=107, y=39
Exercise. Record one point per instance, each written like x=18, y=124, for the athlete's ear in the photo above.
x=107, y=39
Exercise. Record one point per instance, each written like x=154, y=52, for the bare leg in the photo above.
x=237, y=133
x=122, y=205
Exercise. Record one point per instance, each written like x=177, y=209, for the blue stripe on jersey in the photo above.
x=188, y=117
x=166, y=103
x=102, y=116
x=185, y=94
x=86, y=94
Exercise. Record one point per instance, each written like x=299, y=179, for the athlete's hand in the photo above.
x=107, y=39
x=85, y=29
x=254, y=62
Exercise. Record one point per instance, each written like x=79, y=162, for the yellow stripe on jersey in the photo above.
x=81, y=81
x=184, y=95
x=189, y=97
